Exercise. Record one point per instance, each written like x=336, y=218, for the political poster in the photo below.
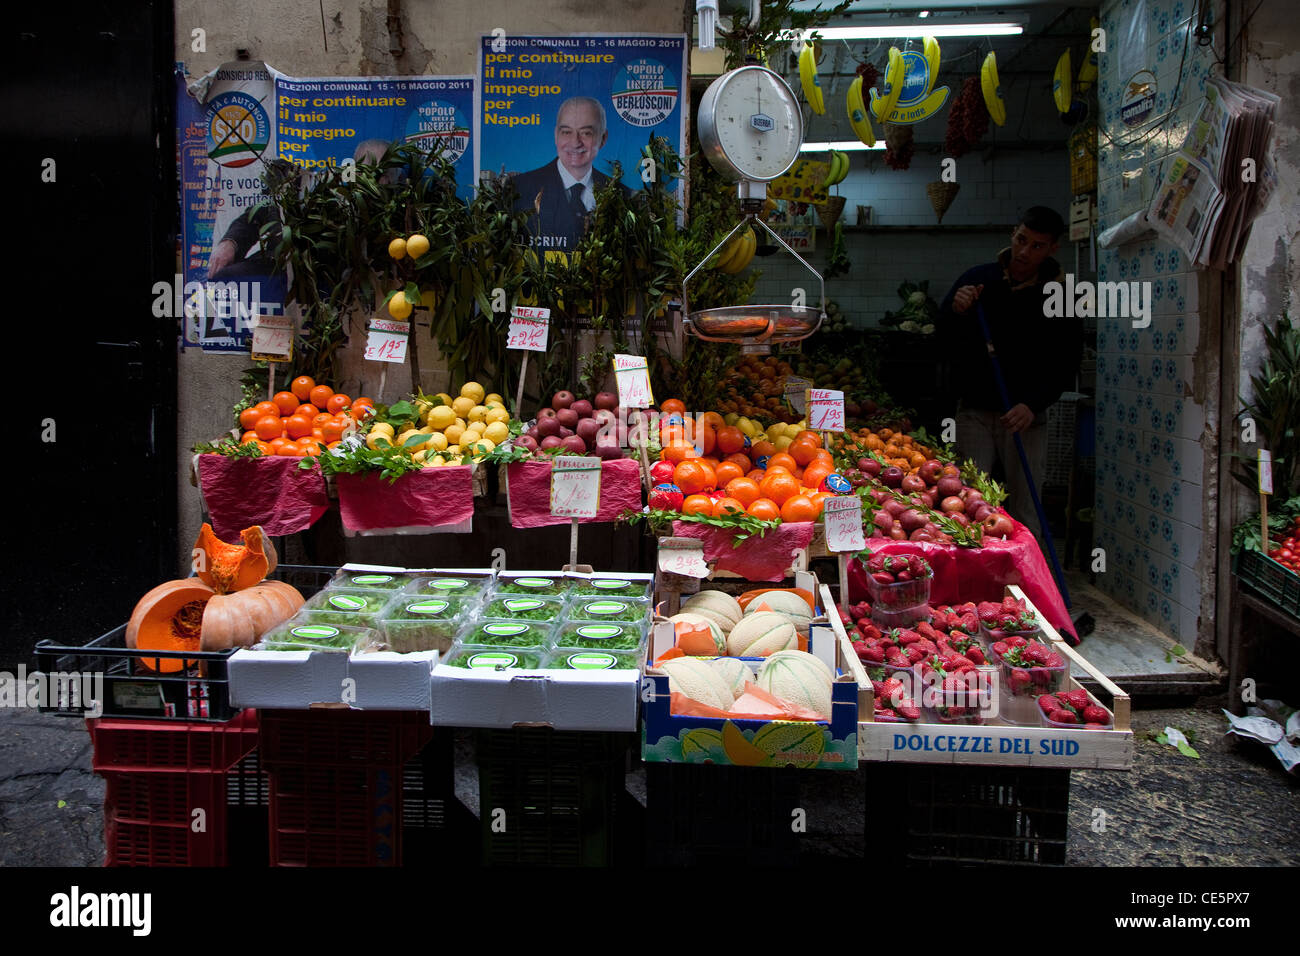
x=555, y=112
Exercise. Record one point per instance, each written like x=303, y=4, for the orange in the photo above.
x=268, y=428
x=266, y=408
x=762, y=448
x=668, y=434
x=694, y=477
x=756, y=475
x=818, y=499
x=917, y=459
x=337, y=402
x=824, y=455
x=802, y=451
x=726, y=471
x=697, y=505
x=710, y=461
x=317, y=434
x=764, y=508
x=673, y=405
x=713, y=420
x=248, y=418
x=248, y=436
x=773, y=469
x=298, y=427
x=334, y=444
x=263, y=447
x=816, y=473
x=311, y=448
x=320, y=395
x=722, y=504
x=707, y=437
x=320, y=420
x=730, y=439
x=289, y=450
x=744, y=490
x=808, y=436
x=302, y=386
x=333, y=430
x=361, y=403
x=740, y=460
x=277, y=443
x=306, y=411
x=784, y=460
x=286, y=402
x=798, y=508
x=779, y=487
x=678, y=451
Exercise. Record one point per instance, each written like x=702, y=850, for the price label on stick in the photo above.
x=273, y=338
x=684, y=556
x=632, y=372
x=386, y=340
x=1265, y=472
x=575, y=486
x=825, y=409
x=529, y=329
x=843, y=517
x=796, y=389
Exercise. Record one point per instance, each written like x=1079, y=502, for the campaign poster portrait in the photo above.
x=556, y=112
x=323, y=121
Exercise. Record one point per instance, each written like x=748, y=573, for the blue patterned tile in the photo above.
x=1171, y=370
x=1157, y=341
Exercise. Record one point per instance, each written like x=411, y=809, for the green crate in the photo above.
x=1270, y=579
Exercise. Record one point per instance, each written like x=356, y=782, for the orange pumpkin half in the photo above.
x=233, y=567
x=169, y=618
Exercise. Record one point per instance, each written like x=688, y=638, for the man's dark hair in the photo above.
x=1043, y=219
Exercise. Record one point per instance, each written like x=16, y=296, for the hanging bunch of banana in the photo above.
x=812, y=88
x=839, y=168
x=738, y=253
x=858, y=117
x=992, y=89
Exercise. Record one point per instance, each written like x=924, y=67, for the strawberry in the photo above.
x=908, y=710
x=1055, y=660
x=1000, y=648
x=1016, y=641
x=883, y=577
x=1049, y=704
x=976, y=654
x=1019, y=680
x=1094, y=715
x=872, y=654
x=1077, y=699
x=1063, y=717
x=1035, y=653
x=914, y=653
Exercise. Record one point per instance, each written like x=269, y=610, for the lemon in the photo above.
x=419, y=456
x=398, y=307
x=731, y=418
x=476, y=428
x=493, y=398
x=375, y=439
x=475, y=391
x=452, y=451
x=496, y=413
x=438, y=441
x=401, y=438
x=483, y=446
x=462, y=405
x=478, y=413
x=417, y=246
x=446, y=399
x=496, y=432
x=397, y=248
x=437, y=461
x=382, y=428
x=775, y=431
x=793, y=431
x=453, y=432
x=441, y=417
x=782, y=443
x=422, y=407
x=425, y=429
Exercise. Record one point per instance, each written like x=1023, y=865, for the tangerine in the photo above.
x=783, y=460
x=277, y=443
x=713, y=420
x=672, y=405
x=362, y=407
x=268, y=428
x=337, y=402
x=266, y=408
x=741, y=460
x=802, y=451
x=724, y=506
x=678, y=451
x=302, y=386
x=321, y=420
x=694, y=477
x=756, y=475
x=248, y=418
x=320, y=395
x=306, y=411
x=798, y=508
x=289, y=450
x=726, y=472
x=333, y=430
x=764, y=508
x=697, y=505
x=707, y=437
x=762, y=448
x=816, y=473
x=298, y=427
x=744, y=490
x=809, y=436
x=780, y=487
x=730, y=439
x=286, y=402
x=263, y=447
x=312, y=448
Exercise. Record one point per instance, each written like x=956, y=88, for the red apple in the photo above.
x=947, y=486
x=568, y=417
x=606, y=400
x=582, y=407
x=574, y=443
x=952, y=504
x=547, y=427
x=545, y=413
x=930, y=471
x=551, y=441
x=912, y=483
x=562, y=400
x=892, y=476
x=608, y=448
x=527, y=441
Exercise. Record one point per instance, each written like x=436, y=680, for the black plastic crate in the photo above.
x=130, y=689
x=1271, y=579
x=705, y=815
x=553, y=798
x=966, y=815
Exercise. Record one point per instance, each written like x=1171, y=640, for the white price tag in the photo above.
x=386, y=340
x=843, y=517
x=575, y=486
x=825, y=410
x=1265, y=472
x=683, y=556
x=796, y=389
x=632, y=372
x=273, y=338
x=751, y=349
x=529, y=329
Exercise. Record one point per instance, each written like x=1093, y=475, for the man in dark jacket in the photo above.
x=1039, y=356
x=561, y=194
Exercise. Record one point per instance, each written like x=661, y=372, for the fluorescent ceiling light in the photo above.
x=846, y=146
x=916, y=30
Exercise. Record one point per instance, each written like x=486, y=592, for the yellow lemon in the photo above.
x=441, y=416
x=438, y=441
x=497, y=432
x=496, y=413
x=453, y=433
x=475, y=391
x=775, y=431
x=397, y=248
x=478, y=413
x=782, y=443
x=420, y=456
x=446, y=399
x=731, y=418
x=422, y=407
x=793, y=431
x=382, y=428
x=375, y=439
x=493, y=398
x=398, y=307
x=417, y=246
x=483, y=446
x=462, y=405
x=476, y=428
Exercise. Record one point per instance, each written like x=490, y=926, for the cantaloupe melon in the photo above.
x=718, y=606
x=783, y=602
x=698, y=681
x=804, y=655
x=734, y=672
x=760, y=634
x=699, y=620
x=798, y=680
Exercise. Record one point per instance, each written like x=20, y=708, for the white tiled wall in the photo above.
x=1149, y=457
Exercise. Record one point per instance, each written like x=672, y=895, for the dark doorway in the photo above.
x=90, y=517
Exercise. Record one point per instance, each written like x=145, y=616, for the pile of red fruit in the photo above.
x=964, y=645
x=1074, y=707
x=1028, y=666
x=576, y=425
x=963, y=617
x=1010, y=616
x=1286, y=552
x=890, y=702
x=958, y=691
x=934, y=486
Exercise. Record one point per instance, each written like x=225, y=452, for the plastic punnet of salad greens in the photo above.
x=303, y=635
x=495, y=658
x=601, y=635
x=524, y=607
x=608, y=609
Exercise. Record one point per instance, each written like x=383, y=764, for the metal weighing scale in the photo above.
x=751, y=128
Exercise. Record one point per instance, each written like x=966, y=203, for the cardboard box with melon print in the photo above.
x=821, y=744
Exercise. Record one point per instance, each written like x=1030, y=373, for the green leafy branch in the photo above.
x=230, y=448
x=742, y=525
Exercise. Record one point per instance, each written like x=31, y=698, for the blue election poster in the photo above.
x=555, y=112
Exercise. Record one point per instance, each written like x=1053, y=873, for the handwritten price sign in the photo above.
x=843, y=517
x=684, y=556
x=273, y=338
x=529, y=329
x=633, y=375
x=825, y=409
x=386, y=340
x=575, y=486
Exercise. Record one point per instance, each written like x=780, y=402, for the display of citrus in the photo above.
x=286, y=402
x=298, y=427
x=726, y=471
x=289, y=450
x=268, y=428
x=725, y=506
x=248, y=417
x=697, y=505
x=779, y=486
x=693, y=476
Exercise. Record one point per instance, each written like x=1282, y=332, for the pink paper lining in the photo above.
x=430, y=498
x=269, y=491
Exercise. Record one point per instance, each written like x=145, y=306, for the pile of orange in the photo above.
x=726, y=478
x=896, y=448
x=302, y=421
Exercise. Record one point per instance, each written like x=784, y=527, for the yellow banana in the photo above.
x=728, y=254
x=844, y=167
x=1062, y=83
x=883, y=105
x=746, y=243
x=992, y=89
x=931, y=53
x=1088, y=69
x=858, y=113
x=812, y=89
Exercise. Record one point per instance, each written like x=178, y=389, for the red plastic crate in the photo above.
x=155, y=745
x=338, y=737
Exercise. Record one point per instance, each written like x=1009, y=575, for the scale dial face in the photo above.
x=750, y=124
